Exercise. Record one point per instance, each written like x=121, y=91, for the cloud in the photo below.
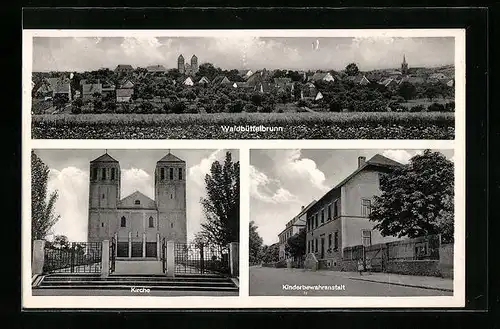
x=134, y=179
x=198, y=172
x=401, y=156
x=293, y=166
x=268, y=190
x=72, y=205
x=80, y=54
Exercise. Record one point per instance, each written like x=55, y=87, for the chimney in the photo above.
x=361, y=161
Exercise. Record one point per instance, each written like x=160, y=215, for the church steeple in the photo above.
x=404, y=66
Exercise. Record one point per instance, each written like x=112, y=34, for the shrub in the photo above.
x=76, y=110
x=449, y=107
x=417, y=108
x=436, y=107
x=335, y=106
x=250, y=108
x=301, y=103
x=236, y=107
x=267, y=108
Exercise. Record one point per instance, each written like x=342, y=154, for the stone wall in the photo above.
x=446, y=260
x=414, y=267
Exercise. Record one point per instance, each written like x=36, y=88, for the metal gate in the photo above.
x=193, y=258
x=75, y=257
x=112, y=255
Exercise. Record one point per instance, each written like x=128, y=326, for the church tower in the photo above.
x=170, y=197
x=104, y=195
x=194, y=64
x=404, y=66
x=180, y=64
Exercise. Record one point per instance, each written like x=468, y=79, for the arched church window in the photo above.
x=94, y=173
x=112, y=173
x=180, y=173
x=171, y=173
x=151, y=222
x=103, y=173
x=123, y=222
x=171, y=225
x=137, y=202
x=162, y=173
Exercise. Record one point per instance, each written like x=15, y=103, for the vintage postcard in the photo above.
x=219, y=169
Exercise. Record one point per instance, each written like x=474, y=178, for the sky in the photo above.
x=296, y=53
x=281, y=181
x=69, y=175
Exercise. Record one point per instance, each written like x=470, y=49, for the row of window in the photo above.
x=151, y=222
x=171, y=174
x=312, y=245
x=284, y=237
x=104, y=173
x=328, y=213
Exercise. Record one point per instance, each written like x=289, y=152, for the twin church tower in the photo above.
x=136, y=222
x=187, y=68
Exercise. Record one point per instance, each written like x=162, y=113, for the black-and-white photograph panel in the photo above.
x=244, y=85
x=352, y=222
x=134, y=222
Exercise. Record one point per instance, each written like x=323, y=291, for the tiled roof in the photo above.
x=91, y=88
x=127, y=92
x=104, y=158
x=170, y=158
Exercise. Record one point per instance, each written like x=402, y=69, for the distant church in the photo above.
x=186, y=68
x=136, y=222
x=404, y=66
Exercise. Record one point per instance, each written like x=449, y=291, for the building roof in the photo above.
x=170, y=158
x=320, y=76
x=104, y=158
x=377, y=161
x=126, y=92
x=180, y=57
x=221, y=79
x=156, y=68
x=282, y=81
x=124, y=67
x=204, y=80
x=91, y=88
x=145, y=202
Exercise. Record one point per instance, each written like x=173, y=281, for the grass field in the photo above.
x=426, y=102
x=319, y=125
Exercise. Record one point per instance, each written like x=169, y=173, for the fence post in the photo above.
x=202, y=260
x=38, y=257
x=234, y=264
x=105, y=259
x=170, y=259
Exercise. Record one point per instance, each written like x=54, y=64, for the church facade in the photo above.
x=136, y=222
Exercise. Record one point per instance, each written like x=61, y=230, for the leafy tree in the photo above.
x=407, y=90
x=60, y=242
x=255, y=244
x=296, y=245
x=436, y=107
x=417, y=198
x=60, y=100
x=222, y=204
x=270, y=254
x=208, y=70
x=43, y=216
x=256, y=99
x=352, y=69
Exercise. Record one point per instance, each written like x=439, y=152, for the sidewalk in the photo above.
x=416, y=281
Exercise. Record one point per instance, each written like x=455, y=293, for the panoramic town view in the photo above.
x=216, y=88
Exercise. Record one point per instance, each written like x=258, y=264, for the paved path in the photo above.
x=266, y=281
x=138, y=267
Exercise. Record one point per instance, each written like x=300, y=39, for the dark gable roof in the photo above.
x=170, y=158
x=104, y=158
x=376, y=161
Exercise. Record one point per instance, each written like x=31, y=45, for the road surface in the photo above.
x=265, y=281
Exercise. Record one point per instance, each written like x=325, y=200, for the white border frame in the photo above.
x=244, y=300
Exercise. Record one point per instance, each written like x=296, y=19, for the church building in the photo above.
x=404, y=66
x=136, y=222
x=187, y=68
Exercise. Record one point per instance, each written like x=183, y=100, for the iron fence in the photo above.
x=192, y=258
x=76, y=257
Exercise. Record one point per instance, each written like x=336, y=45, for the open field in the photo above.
x=356, y=125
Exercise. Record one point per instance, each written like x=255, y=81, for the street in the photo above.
x=266, y=281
